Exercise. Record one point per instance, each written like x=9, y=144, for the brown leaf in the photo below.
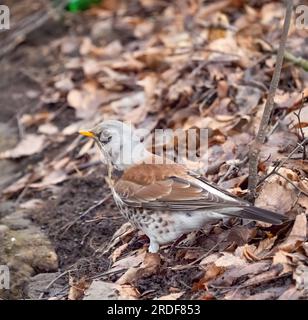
x=118, y=252
x=150, y=265
x=86, y=101
x=228, y=260
x=241, y=234
x=291, y=294
x=298, y=234
x=31, y=119
x=265, y=246
x=265, y=276
x=236, y=273
x=211, y=273
x=77, y=289
x=102, y=290
x=283, y=258
x=172, y=296
x=300, y=276
x=48, y=128
x=278, y=194
x=28, y=146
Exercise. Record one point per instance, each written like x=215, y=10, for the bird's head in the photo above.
x=118, y=142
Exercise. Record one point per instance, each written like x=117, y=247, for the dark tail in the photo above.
x=254, y=213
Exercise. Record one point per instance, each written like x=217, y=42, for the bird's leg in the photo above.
x=154, y=246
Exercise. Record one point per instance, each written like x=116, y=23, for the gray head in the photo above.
x=119, y=143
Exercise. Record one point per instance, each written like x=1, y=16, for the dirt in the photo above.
x=79, y=243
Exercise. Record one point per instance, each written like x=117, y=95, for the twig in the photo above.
x=53, y=281
x=68, y=226
x=279, y=165
x=293, y=184
x=301, y=131
x=193, y=263
x=255, y=147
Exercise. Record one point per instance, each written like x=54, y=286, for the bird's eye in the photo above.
x=105, y=138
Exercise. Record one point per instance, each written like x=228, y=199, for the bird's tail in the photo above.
x=254, y=213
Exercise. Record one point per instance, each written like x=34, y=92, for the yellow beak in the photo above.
x=87, y=133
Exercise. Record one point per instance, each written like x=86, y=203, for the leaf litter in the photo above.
x=190, y=66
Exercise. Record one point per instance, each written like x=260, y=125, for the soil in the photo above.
x=79, y=244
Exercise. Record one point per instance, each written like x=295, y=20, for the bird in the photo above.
x=164, y=200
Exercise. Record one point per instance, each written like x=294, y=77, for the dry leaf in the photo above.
x=101, y=290
x=171, y=296
x=278, y=194
x=212, y=271
x=118, y=252
x=28, y=146
x=298, y=234
x=48, y=128
x=86, y=101
x=228, y=260
x=77, y=289
x=34, y=119
x=53, y=177
x=283, y=258
x=300, y=276
x=265, y=246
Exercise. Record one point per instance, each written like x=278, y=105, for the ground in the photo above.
x=156, y=65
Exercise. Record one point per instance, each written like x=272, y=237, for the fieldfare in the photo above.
x=164, y=200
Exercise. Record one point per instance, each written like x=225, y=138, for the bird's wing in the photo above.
x=170, y=187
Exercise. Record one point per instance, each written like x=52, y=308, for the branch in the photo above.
x=279, y=165
x=255, y=147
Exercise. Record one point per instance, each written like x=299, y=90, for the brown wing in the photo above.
x=169, y=187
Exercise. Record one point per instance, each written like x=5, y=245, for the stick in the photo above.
x=279, y=165
x=68, y=226
x=255, y=147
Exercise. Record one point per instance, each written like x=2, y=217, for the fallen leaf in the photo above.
x=228, y=260
x=33, y=119
x=52, y=178
x=77, y=289
x=151, y=265
x=102, y=290
x=298, y=234
x=171, y=296
x=278, y=194
x=283, y=258
x=48, y=128
x=291, y=294
x=265, y=246
x=212, y=271
x=28, y=146
x=86, y=101
x=118, y=252
x=237, y=273
x=300, y=276
x=264, y=277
